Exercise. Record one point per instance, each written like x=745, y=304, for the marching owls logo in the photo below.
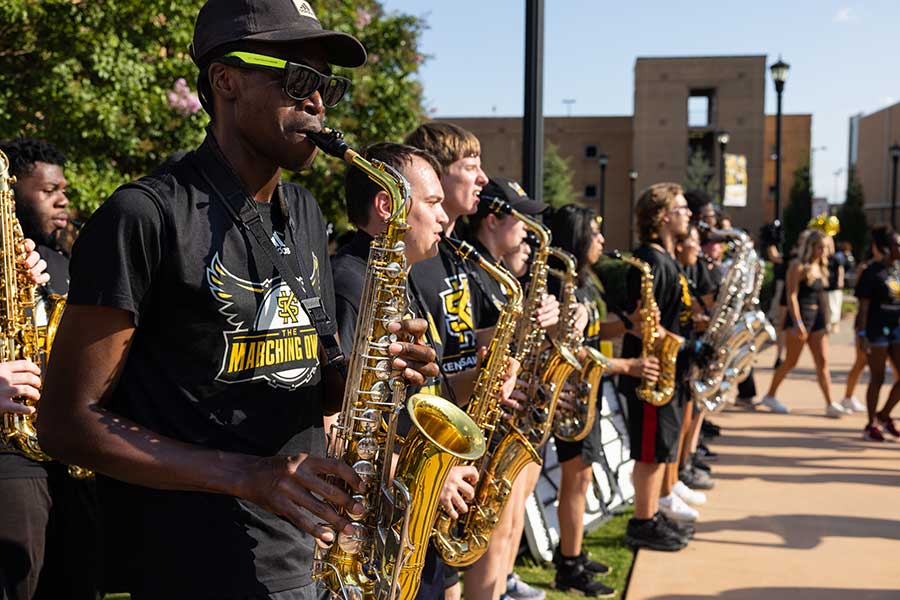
x=279, y=345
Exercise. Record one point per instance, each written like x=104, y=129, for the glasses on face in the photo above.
x=299, y=81
x=680, y=209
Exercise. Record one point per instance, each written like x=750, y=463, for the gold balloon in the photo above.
x=827, y=224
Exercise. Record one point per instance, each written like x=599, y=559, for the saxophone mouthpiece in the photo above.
x=613, y=254
x=330, y=141
x=463, y=249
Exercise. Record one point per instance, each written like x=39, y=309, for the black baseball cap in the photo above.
x=222, y=22
x=511, y=192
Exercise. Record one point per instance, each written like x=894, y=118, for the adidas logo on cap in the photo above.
x=304, y=9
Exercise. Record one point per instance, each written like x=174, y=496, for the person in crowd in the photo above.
x=576, y=229
x=662, y=216
x=837, y=267
x=805, y=322
x=861, y=358
x=72, y=564
x=877, y=327
x=196, y=365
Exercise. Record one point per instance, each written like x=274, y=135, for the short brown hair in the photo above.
x=445, y=141
x=360, y=189
x=652, y=207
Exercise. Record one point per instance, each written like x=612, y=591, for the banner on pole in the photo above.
x=735, y=180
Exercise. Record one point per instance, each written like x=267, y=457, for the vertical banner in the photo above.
x=735, y=180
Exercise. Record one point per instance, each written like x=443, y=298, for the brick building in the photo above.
x=871, y=137
x=681, y=104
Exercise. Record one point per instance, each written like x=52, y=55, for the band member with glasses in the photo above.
x=190, y=371
x=662, y=216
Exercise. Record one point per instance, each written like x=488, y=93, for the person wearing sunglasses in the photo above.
x=191, y=366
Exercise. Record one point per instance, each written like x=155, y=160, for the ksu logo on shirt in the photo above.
x=458, y=323
x=280, y=344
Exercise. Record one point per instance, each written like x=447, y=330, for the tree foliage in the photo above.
x=854, y=227
x=94, y=77
x=558, y=187
x=700, y=176
x=797, y=212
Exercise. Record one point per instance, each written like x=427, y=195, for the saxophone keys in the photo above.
x=366, y=471
x=367, y=448
x=352, y=543
x=363, y=501
x=370, y=420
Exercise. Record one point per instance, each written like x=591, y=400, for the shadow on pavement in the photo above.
x=774, y=593
x=802, y=532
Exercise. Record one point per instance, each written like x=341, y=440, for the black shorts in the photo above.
x=451, y=576
x=654, y=430
x=813, y=318
x=589, y=449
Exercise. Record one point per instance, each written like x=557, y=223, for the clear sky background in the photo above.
x=844, y=57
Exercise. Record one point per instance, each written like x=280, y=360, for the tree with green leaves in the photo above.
x=797, y=212
x=558, y=187
x=699, y=175
x=111, y=84
x=854, y=226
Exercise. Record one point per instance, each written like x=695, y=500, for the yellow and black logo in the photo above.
x=280, y=346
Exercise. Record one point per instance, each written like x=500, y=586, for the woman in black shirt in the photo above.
x=878, y=328
x=804, y=323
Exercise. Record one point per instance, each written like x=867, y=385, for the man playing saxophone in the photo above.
x=199, y=334
x=662, y=215
x=368, y=208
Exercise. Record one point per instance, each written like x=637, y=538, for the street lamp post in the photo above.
x=603, y=159
x=723, y=139
x=895, y=156
x=779, y=76
x=632, y=180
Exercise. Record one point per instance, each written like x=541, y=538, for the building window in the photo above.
x=700, y=108
x=590, y=191
x=590, y=151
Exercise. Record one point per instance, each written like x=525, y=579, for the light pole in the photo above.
x=837, y=180
x=895, y=156
x=723, y=139
x=632, y=180
x=779, y=76
x=603, y=159
x=569, y=102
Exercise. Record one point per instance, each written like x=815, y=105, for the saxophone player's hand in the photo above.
x=37, y=266
x=19, y=378
x=547, y=314
x=567, y=397
x=284, y=485
x=459, y=488
x=581, y=317
x=411, y=355
x=646, y=368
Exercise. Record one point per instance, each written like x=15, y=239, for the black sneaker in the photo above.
x=710, y=430
x=699, y=464
x=652, y=534
x=684, y=530
x=597, y=568
x=706, y=454
x=695, y=478
x=572, y=577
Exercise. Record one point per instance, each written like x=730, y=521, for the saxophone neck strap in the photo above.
x=243, y=211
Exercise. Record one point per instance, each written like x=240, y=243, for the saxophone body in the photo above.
x=574, y=425
x=383, y=558
x=544, y=373
x=460, y=542
x=20, y=337
x=665, y=348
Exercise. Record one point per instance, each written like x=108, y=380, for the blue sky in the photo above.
x=844, y=56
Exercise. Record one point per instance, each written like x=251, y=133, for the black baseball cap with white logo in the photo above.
x=222, y=22
x=511, y=192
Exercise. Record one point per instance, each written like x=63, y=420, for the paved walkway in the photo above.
x=803, y=508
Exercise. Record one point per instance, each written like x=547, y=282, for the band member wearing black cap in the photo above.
x=662, y=215
x=496, y=236
x=188, y=368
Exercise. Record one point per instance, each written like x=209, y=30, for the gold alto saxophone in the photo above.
x=383, y=558
x=20, y=335
x=574, y=425
x=544, y=373
x=665, y=348
x=460, y=542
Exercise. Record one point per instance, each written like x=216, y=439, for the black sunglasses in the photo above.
x=299, y=81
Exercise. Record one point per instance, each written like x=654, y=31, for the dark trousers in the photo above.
x=24, y=514
x=747, y=388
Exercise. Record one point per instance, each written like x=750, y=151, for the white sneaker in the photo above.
x=687, y=494
x=675, y=508
x=836, y=411
x=853, y=405
x=775, y=405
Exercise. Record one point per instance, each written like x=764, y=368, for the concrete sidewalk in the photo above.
x=803, y=508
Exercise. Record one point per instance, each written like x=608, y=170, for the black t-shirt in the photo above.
x=223, y=356
x=591, y=295
x=669, y=289
x=14, y=465
x=881, y=287
x=443, y=283
x=836, y=262
x=488, y=294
